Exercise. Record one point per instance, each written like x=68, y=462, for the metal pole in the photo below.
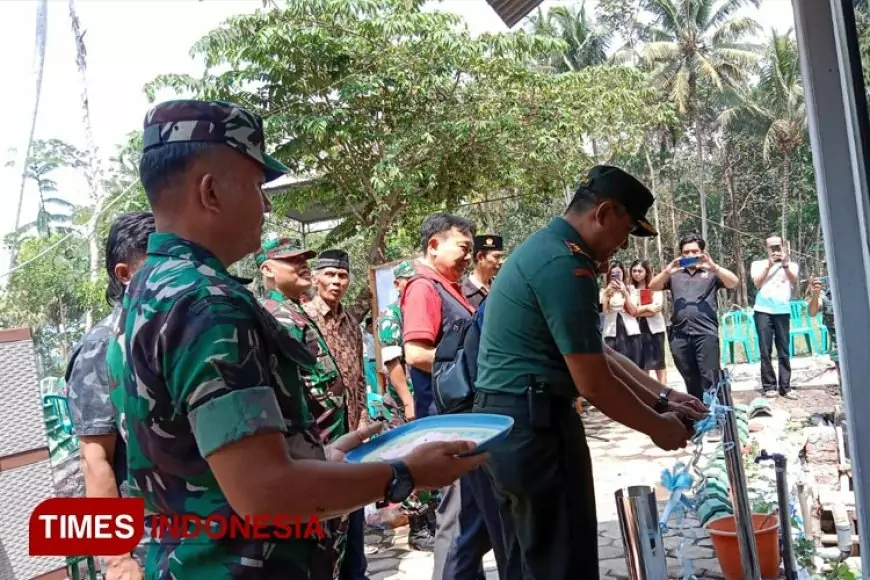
x=639, y=520
x=734, y=460
x=779, y=464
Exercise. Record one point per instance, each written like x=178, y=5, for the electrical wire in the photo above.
x=69, y=235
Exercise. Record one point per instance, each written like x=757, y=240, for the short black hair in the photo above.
x=127, y=241
x=583, y=200
x=693, y=238
x=160, y=165
x=439, y=223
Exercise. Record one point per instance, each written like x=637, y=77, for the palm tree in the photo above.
x=695, y=41
x=39, y=67
x=586, y=42
x=54, y=214
x=778, y=103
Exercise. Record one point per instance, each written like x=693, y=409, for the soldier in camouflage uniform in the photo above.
x=286, y=277
x=399, y=401
x=103, y=451
x=399, y=398
x=210, y=399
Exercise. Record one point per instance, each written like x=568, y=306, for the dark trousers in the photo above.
x=544, y=488
x=354, y=565
x=696, y=357
x=773, y=329
x=468, y=525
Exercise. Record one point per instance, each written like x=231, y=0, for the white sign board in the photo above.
x=386, y=291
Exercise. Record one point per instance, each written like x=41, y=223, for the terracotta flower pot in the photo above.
x=724, y=537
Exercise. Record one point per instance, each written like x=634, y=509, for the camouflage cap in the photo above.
x=211, y=122
x=280, y=248
x=404, y=270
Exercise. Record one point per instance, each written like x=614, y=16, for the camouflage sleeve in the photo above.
x=390, y=336
x=88, y=389
x=218, y=373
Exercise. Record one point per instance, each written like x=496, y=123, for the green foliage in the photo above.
x=400, y=112
x=49, y=297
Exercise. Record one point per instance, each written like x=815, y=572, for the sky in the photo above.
x=129, y=42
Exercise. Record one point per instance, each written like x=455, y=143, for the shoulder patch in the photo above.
x=583, y=273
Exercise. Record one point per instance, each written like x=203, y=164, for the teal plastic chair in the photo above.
x=738, y=328
x=801, y=326
x=60, y=405
x=824, y=336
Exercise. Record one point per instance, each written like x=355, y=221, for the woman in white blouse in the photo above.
x=621, y=331
x=648, y=306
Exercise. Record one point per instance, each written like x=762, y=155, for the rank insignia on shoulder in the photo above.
x=575, y=249
x=583, y=273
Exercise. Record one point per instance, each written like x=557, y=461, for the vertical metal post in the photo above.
x=779, y=462
x=639, y=520
x=734, y=461
x=837, y=129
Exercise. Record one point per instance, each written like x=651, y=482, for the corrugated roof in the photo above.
x=512, y=11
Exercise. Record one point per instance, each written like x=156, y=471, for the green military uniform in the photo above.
x=323, y=381
x=543, y=306
x=198, y=364
x=389, y=334
x=390, y=337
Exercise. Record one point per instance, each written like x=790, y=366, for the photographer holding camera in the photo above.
x=775, y=278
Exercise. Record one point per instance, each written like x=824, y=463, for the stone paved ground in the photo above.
x=621, y=457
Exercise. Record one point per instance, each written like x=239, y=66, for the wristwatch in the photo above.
x=662, y=403
x=401, y=485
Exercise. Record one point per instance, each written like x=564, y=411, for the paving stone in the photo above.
x=610, y=530
x=711, y=565
x=381, y=554
x=698, y=553
x=383, y=565
x=609, y=552
x=615, y=566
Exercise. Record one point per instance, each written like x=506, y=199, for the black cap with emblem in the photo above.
x=613, y=183
x=486, y=243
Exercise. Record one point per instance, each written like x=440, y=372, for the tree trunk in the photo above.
x=786, y=174
x=673, y=208
x=652, y=180
x=740, y=263
x=703, y=196
x=24, y=152
x=95, y=176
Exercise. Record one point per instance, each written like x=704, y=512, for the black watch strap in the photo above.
x=662, y=403
x=402, y=483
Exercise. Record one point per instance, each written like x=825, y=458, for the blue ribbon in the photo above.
x=676, y=480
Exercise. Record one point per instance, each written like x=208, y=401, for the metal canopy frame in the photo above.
x=304, y=222
x=838, y=127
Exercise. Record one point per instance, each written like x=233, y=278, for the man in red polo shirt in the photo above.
x=467, y=518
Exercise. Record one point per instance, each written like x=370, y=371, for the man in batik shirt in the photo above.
x=344, y=337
